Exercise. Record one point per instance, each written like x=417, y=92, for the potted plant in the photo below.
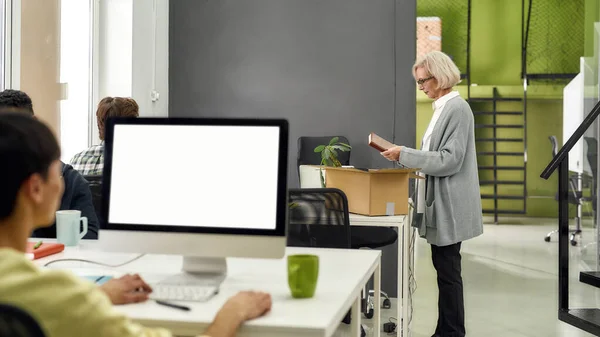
x=329, y=155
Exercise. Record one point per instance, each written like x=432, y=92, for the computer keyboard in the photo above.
x=191, y=293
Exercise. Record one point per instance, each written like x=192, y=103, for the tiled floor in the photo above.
x=510, y=282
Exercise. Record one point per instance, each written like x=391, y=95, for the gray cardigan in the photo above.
x=453, y=200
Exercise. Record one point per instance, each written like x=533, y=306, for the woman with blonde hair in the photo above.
x=448, y=200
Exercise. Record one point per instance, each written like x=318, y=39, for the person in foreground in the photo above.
x=63, y=304
x=90, y=162
x=77, y=194
x=448, y=207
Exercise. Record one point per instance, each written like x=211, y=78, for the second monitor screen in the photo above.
x=195, y=175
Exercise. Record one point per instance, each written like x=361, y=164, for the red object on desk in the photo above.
x=45, y=249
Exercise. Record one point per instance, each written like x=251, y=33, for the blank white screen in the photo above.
x=201, y=176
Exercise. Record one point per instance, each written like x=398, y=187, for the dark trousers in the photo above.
x=451, y=307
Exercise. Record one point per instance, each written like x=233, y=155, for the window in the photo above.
x=75, y=75
x=49, y=58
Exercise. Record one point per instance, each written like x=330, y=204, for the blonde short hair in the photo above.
x=441, y=67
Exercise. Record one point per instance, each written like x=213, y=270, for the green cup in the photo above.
x=303, y=273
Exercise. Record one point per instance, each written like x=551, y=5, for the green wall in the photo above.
x=495, y=42
x=592, y=14
x=496, y=61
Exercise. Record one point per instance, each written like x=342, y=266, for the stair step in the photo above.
x=491, y=113
x=491, y=99
x=499, y=139
x=501, y=153
x=590, y=277
x=584, y=319
x=505, y=197
x=503, y=211
x=501, y=182
x=503, y=168
x=499, y=126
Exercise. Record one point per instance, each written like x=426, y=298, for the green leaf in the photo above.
x=334, y=140
x=319, y=148
x=341, y=148
x=327, y=153
x=345, y=145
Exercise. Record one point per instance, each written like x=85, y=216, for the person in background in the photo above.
x=91, y=161
x=62, y=303
x=448, y=208
x=77, y=194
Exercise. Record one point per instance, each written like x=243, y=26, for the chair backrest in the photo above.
x=308, y=156
x=15, y=322
x=95, y=183
x=554, y=143
x=318, y=217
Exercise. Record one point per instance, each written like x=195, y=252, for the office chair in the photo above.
x=308, y=156
x=15, y=322
x=319, y=217
x=95, y=183
x=575, y=198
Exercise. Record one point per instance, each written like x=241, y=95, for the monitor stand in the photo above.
x=199, y=271
x=204, y=265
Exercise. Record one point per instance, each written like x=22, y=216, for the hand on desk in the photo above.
x=126, y=289
x=242, y=307
x=247, y=305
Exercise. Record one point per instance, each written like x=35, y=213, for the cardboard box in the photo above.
x=373, y=192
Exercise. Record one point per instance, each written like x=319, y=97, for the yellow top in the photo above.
x=63, y=304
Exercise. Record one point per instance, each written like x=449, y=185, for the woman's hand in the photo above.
x=126, y=289
x=392, y=154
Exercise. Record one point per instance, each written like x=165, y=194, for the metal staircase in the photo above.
x=502, y=154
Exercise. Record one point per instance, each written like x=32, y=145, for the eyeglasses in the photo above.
x=421, y=81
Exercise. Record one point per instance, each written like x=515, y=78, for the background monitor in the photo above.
x=202, y=188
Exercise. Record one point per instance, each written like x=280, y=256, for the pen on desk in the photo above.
x=37, y=245
x=171, y=305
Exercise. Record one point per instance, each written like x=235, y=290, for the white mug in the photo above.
x=67, y=227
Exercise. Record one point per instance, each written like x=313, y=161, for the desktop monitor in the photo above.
x=198, y=187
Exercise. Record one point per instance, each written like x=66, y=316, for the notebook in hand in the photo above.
x=379, y=143
x=45, y=249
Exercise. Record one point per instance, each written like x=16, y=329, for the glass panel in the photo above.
x=587, y=183
x=75, y=73
x=580, y=96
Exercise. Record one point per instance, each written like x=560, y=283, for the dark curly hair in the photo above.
x=15, y=99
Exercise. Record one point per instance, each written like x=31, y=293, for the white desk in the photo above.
x=402, y=223
x=342, y=276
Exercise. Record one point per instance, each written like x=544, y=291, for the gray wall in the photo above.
x=328, y=66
